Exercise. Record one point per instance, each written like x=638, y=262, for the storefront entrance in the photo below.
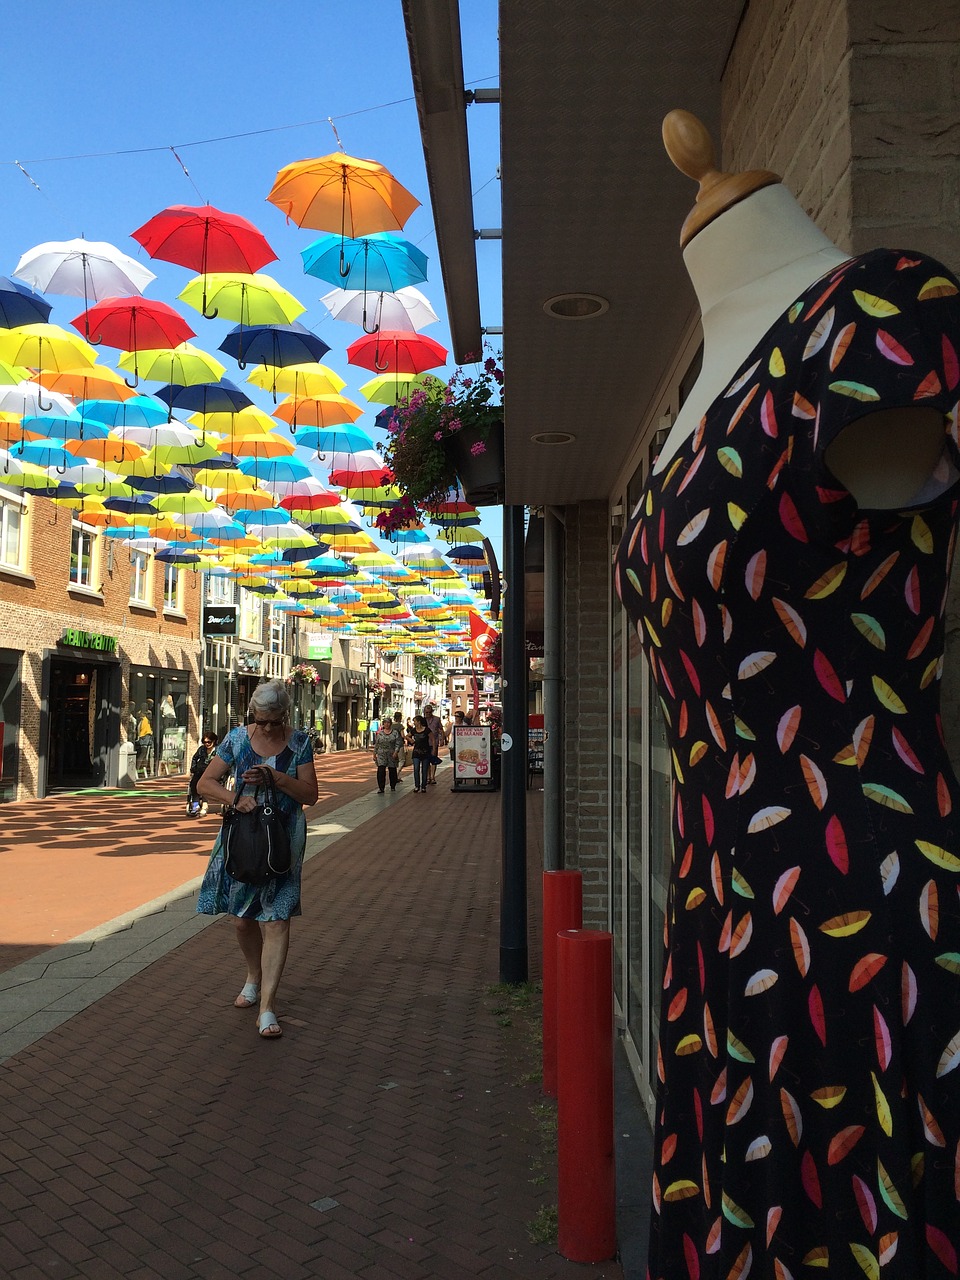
x=78, y=703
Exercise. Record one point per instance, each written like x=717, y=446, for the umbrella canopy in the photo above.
x=182, y=365
x=246, y=421
x=276, y=345
x=407, y=308
x=251, y=299
x=369, y=264
x=95, y=382
x=311, y=379
x=205, y=397
x=320, y=411
x=45, y=346
x=29, y=397
x=396, y=351
x=342, y=193
x=389, y=388
x=20, y=305
x=138, y=411
x=204, y=238
x=133, y=324
x=88, y=269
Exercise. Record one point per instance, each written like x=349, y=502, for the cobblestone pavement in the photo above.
x=393, y=1132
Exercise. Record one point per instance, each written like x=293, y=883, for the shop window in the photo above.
x=12, y=540
x=139, y=577
x=82, y=557
x=171, y=588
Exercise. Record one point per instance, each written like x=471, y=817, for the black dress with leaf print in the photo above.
x=808, y=1112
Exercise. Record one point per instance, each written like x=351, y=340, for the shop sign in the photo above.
x=533, y=643
x=473, y=756
x=88, y=640
x=320, y=646
x=220, y=620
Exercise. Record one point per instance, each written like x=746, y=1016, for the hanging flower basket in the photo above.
x=476, y=455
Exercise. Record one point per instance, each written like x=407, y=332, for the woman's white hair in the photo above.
x=270, y=699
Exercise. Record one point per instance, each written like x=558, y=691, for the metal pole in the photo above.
x=513, y=892
x=552, y=692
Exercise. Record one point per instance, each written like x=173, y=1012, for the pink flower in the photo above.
x=438, y=435
x=478, y=448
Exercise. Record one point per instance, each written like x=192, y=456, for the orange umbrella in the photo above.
x=317, y=411
x=340, y=193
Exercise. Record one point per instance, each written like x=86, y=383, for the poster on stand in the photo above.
x=472, y=750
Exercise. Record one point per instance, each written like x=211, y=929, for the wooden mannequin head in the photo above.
x=689, y=146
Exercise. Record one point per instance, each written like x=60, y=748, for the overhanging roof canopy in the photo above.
x=591, y=204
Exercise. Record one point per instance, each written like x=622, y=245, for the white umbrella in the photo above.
x=29, y=398
x=88, y=269
x=405, y=309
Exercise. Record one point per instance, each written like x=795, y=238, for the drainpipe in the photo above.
x=552, y=690
x=513, y=776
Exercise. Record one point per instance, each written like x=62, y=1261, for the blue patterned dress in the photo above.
x=279, y=898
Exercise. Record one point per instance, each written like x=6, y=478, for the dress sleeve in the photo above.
x=226, y=750
x=302, y=750
x=883, y=333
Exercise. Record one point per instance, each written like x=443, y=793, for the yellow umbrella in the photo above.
x=312, y=379
x=183, y=366
x=250, y=299
x=264, y=444
x=388, y=388
x=234, y=424
x=45, y=346
x=254, y=499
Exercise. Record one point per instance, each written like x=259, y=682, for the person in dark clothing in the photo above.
x=421, y=740
x=201, y=758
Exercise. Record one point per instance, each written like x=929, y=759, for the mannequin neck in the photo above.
x=765, y=234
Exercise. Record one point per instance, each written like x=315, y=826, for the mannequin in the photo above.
x=748, y=261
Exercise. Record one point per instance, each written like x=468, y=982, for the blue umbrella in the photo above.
x=138, y=411
x=206, y=397
x=20, y=305
x=340, y=439
x=274, y=470
x=64, y=427
x=373, y=263
x=274, y=344
x=44, y=453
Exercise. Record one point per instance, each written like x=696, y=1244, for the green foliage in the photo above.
x=428, y=670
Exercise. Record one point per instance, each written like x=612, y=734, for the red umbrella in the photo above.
x=133, y=324
x=362, y=479
x=396, y=351
x=205, y=239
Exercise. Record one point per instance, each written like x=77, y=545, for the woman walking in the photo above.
x=422, y=753
x=267, y=749
x=387, y=746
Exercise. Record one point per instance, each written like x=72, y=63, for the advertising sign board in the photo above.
x=473, y=757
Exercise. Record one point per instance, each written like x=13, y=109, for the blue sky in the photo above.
x=100, y=100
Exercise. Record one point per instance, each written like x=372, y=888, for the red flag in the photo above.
x=482, y=636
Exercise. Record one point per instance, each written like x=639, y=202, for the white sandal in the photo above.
x=268, y=1026
x=248, y=996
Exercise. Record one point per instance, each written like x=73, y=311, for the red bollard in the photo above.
x=562, y=909
x=586, y=1209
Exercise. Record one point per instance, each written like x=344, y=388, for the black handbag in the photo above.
x=256, y=846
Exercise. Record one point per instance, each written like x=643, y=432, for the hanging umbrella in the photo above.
x=266, y=444
x=251, y=299
x=205, y=239
x=319, y=411
x=269, y=470
x=31, y=398
x=406, y=308
x=332, y=440
x=182, y=365
x=96, y=382
x=106, y=449
x=370, y=264
x=45, y=346
x=342, y=193
x=311, y=379
x=88, y=269
x=138, y=411
x=205, y=397
x=20, y=305
x=390, y=388
x=68, y=426
x=133, y=324
x=396, y=351
x=275, y=344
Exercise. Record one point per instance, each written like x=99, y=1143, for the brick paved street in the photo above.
x=392, y=1132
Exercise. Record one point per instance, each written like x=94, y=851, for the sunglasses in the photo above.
x=268, y=724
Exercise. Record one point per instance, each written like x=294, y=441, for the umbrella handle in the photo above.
x=44, y=408
x=381, y=368
x=209, y=315
x=135, y=382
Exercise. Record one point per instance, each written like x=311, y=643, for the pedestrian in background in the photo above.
x=421, y=741
x=387, y=746
x=437, y=740
x=267, y=749
x=198, y=765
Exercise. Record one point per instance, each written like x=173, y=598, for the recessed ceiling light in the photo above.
x=553, y=437
x=576, y=306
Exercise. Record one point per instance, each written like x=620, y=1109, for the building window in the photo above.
x=139, y=575
x=251, y=617
x=82, y=543
x=220, y=589
x=11, y=532
x=278, y=630
x=171, y=588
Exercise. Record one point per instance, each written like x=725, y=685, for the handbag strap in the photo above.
x=269, y=790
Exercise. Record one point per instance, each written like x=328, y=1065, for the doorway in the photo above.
x=73, y=749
